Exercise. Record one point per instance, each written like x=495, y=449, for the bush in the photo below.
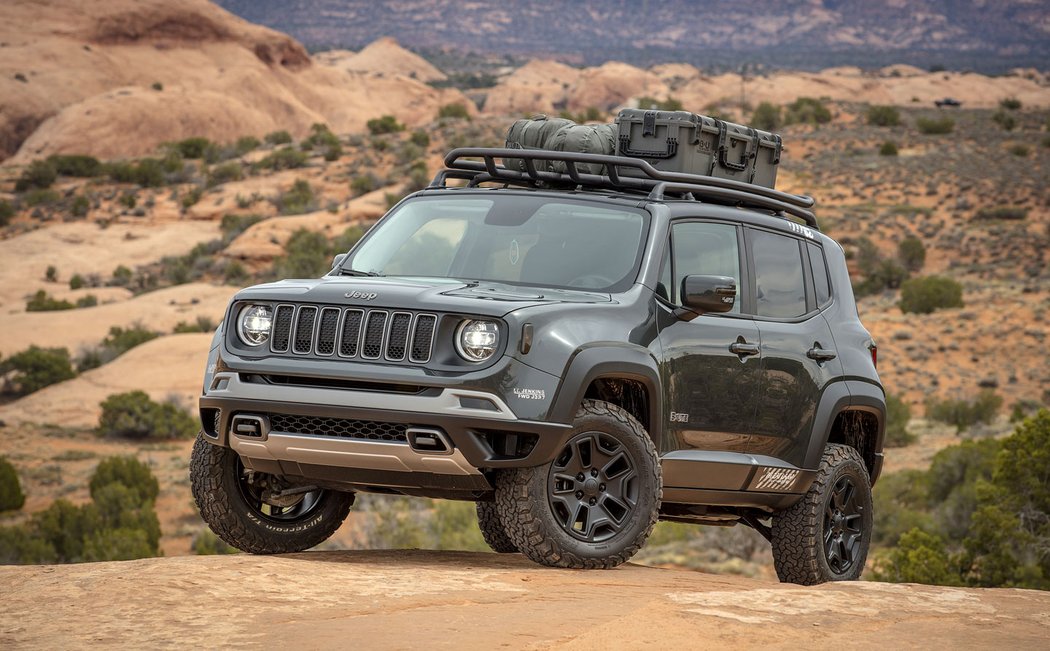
x=912, y=253
x=924, y=295
x=246, y=144
x=1019, y=150
x=40, y=174
x=80, y=206
x=963, y=413
x=121, y=340
x=202, y=324
x=939, y=126
x=76, y=165
x=898, y=413
x=297, y=200
x=192, y=148
x=133, y=415
x=309, y=254
x=11, y=496
x=224, y=173
x=283, y=159
x=884, y=116
x=1010, y=103
x=278, y=138
x=320, y=136
x=128, y=472
x=1005, y=120
x=364, y=184
x=1001, y=212
x=51, y=274
x=122, y=276
x=420, y=138
x=918, y=558
x=7, y=211
x=35, y=368
x=766, y=116
x=87, y=301
x=192, y=197
x=234, y=225
x=44, y=302
x=148, y=172
x=807, y=110
x=888, y=148
x=385, y=124
x=76, y=281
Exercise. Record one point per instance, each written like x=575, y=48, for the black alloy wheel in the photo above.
x=593, y=487
x=261, y=492
x=842, y=526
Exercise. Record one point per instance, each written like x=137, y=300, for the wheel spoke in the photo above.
x=616, y=511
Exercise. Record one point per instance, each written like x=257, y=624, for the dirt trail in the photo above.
x=433, y=600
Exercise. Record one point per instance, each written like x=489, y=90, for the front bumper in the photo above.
x=483, y=431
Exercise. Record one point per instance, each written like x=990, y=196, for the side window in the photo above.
x=780, y=286
x=700, y=248
x=821, y=282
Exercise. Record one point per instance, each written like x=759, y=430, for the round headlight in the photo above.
x=477, y=341
x=254, y=324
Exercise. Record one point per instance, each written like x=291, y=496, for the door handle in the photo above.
x=743, y=348
x=819, y=354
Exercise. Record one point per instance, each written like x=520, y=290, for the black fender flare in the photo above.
x=624, y=361
x=841, y=396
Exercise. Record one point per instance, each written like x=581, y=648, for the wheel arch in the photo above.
x=628, y=368
x=851, y=413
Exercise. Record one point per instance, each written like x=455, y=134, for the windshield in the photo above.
x=514, y=239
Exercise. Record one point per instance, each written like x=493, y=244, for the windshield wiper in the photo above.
x=355, y=272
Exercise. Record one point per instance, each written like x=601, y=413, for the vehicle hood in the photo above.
x=430, y=294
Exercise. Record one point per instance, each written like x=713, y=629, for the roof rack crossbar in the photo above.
x=733, y=196
x=488, y=154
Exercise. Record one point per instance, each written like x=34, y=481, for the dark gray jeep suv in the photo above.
x=580, y=354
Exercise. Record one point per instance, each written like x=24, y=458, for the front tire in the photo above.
x=492, y=529
x=239, y=510
x=595, y=504
x=825, y=535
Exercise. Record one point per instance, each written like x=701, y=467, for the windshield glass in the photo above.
x=514, y=239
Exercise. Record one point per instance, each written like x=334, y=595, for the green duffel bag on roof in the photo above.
x=531, y=133
x=584, y=139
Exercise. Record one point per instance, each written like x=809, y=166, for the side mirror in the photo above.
x=709, y=293
x=338, y=260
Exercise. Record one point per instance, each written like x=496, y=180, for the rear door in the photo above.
x=711, y=390
x=790, y=287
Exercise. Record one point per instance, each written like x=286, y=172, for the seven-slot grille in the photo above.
x=391, y=335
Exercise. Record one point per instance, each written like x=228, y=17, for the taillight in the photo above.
x=874, y=355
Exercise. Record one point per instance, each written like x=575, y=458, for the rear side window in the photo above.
x=821, y=282
x=780, y=286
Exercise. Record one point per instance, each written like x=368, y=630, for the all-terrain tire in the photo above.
x=492, y=529
x=523, y=497
x=802, y=534
x=214, y=477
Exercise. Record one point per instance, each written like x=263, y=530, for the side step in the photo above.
x=732, y=479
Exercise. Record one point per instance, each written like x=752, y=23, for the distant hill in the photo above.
x=806, y=34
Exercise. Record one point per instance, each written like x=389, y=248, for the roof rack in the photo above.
x=656, y=183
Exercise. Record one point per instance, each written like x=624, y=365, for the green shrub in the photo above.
x=965, y=413
x=1019, y=150
x=234, y=273
x=1010, y=103
x=44, y=302
x=38, y=197
x=898, y=413
x=807, y=110
x=932, y=126
x=918, y=558
x=76, y=281
x=234, y=225
x=207, y=543
x=121, y=340
x=80, y=206
x=1005, y=120
x=51, y=274
x=35, y=368
x=924, y=295
x=590, y=114
x=888, y=148
x=7, y=211
x=385, y=124
x=148, y=172
x=766, y=116
x=246, y=144
x=1045, y=142
x=1001, y=212
x=192, y=197
x=87, y=301
x=320, y=136
x=157, y=86
x=224, y=173
x=40, y=174
x=192, y=148
x=364, y=184
x=309, y=254
x=76, y=165
x=122, y=276
x=283, y=159
x=11, y=496
x=333, y=152
x=202, y=324
x=127, y=200
x=129, y=472
x=297, y=200
x=133, y=415
x=912, y=253
x=420, y=138
x=884, y=116
x=278, y=138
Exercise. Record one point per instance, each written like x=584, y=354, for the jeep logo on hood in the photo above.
x=364, y=296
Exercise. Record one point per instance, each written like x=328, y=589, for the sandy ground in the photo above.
x=439, y=600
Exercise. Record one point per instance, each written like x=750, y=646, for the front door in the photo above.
x=711, y=363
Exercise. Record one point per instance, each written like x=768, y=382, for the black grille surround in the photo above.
x=353, y=333
x=346, y=428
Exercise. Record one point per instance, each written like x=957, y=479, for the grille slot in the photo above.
x=304, y=330
x=339, y=427
x=282, y=328
x=326, y=331
x=374, y=331
x=397, y=341
x=423, y=338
